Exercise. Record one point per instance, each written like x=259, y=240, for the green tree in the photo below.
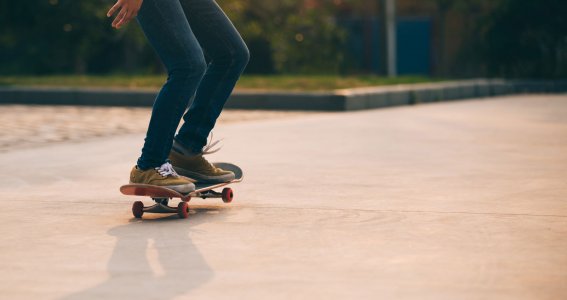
x=296, y=37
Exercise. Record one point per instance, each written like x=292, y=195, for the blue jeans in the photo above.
x=182, y=32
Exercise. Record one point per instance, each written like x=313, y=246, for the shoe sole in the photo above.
x=205, y=178
x=180, y=188
x=183, y=188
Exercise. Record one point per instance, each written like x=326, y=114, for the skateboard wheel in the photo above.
x=227, y=195
x=183, y=210
x=138, y=209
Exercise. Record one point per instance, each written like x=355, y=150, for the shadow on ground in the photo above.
x=155, y=254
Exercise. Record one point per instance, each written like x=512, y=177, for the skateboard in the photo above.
x=162, y=195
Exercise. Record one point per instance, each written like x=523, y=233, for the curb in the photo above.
x=409, y=94
x=338, y=100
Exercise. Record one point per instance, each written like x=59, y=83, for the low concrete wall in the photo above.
x=338, y=100
x=287, y=101
x=76, y=96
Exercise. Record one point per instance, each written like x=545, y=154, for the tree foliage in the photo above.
x=514, y=38
x=296, y=37
x=526, y=38
x=70, y=36
x=64, y=36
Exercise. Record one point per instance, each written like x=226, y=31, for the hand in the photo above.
x=128, y=10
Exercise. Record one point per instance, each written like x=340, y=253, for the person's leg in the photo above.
x=165, y=25
x=228, y=55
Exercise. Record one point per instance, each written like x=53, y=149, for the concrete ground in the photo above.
x=25, y=126
x=457, y=200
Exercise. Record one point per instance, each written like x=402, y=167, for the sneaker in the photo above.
x=164, y=176
x=198, y=168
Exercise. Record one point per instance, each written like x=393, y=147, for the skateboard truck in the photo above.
x=161, y=205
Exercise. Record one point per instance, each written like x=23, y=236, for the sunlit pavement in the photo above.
x=25, y=126
x=457, y=200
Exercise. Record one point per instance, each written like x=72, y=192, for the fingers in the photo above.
x=119, y=20
x=127, y=12
x=114, y=8
x=127, y=17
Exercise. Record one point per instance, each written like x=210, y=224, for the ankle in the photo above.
x=184, y=149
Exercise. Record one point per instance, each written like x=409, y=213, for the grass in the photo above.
x=246, y=82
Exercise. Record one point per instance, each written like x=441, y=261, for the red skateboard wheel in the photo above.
x=183, y=210
x=227, y=195
x=138, y=209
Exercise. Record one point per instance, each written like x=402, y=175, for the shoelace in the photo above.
x=208, y=149
x=167, y=170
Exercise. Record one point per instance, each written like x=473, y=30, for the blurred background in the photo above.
x=434, y=38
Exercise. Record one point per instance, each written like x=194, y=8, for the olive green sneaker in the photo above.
x=164, y=176
x=198, y=168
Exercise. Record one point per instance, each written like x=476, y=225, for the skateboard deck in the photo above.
x=162, y=195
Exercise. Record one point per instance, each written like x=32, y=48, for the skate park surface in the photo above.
x=454, y=200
